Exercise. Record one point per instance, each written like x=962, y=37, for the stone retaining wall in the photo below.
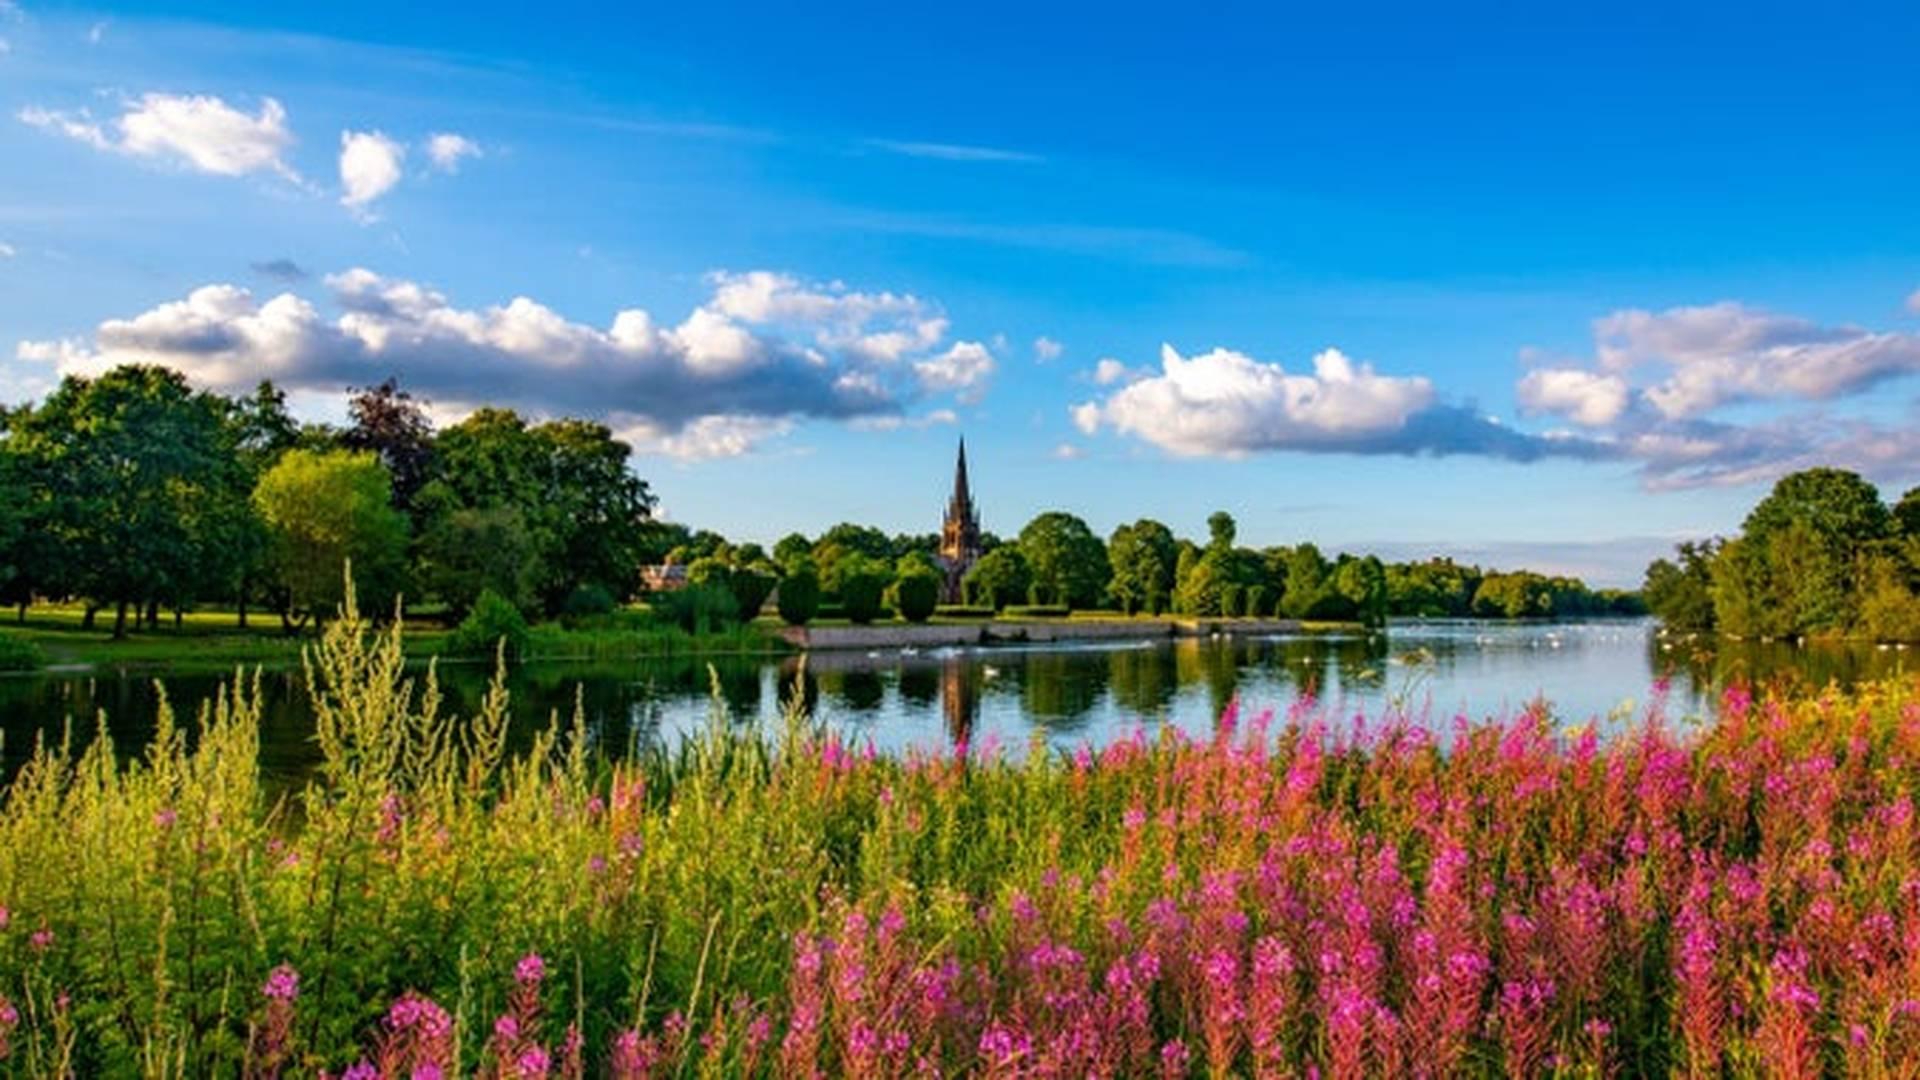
x=936, y=635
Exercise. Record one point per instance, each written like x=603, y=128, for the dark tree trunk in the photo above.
x=120, y=620
x=178, y=617
x=86, y=621
x=243, y=605
x=153, y=614
x=20, y=616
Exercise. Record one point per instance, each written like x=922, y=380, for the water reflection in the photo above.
x=1067, y=694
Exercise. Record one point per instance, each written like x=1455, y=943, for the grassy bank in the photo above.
x=214, y=640
x=1274, y=898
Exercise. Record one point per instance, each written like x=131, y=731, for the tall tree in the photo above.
x=586, y=514
x=1143, y=556
x=326, y=509
x=1068, y=563
x=388, y=422
x=1680, y=592
x=128, y=463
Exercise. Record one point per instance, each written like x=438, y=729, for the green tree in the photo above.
x=124, y=467
x=587, y=515
x=791, y=547
x=1362, y=583
x=1067, y=562
x=1680, y=592
x=322, y=511
x=1906, y=513
x=1143, y=557
x=467, y=552
x=998, y=579
x=1307, y=587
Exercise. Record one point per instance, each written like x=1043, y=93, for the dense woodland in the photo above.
x=140, y=496
x=1821, y=556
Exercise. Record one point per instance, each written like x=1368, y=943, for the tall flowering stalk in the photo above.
x=273, y=1042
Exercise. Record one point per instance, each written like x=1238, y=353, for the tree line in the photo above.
x=1057, y=564
x=1823, y=555
x=136, y=494
x=133, y=492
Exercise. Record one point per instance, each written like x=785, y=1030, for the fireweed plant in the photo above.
x=1290, y=896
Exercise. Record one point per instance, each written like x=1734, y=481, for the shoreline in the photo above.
x=1025, y=631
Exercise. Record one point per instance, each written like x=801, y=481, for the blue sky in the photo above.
x=1552, y=287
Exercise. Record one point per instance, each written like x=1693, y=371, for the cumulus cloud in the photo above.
x=1719, y=354
x=446, y=149
x=370, y=165
x=1592, y=398
x=201, y=132
x=731, y=372
x=7, y=251
x=963, y=369
x=1067, y=451
x=883, y=326
x=1657, y=379
x=1703, y=453
x=1046, y=350
x=1227, y=404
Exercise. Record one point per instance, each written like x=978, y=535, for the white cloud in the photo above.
x=1585, y=397
x=709, y=437
x=369, y=167
x=201, y=132
x=883, y=327
x=964, y=368
x=1913, y=302
x=901, y=422
x=1046, y=350
x=96, y=33
x=5, y=46
x=1724, y=353
x=1067, y=451
x=713, y=383
x=1227, y=403
x=1109, y=372
x=8, y=251
x=445, y=149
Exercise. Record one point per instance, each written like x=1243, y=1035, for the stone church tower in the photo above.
x=960, y=532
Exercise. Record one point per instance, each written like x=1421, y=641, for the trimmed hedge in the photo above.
x=1038, y=611
x=963, y=611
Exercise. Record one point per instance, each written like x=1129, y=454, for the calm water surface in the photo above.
x=1075, y=694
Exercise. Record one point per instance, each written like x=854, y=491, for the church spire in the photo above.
x=962, y=497
x=960, y=532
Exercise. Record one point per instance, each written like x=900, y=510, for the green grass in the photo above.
x=214, y=640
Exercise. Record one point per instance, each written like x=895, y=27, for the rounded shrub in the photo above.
x=493, y=621
x=799, y=597
x=916, y=594
x=750, y=591
x=863, y=592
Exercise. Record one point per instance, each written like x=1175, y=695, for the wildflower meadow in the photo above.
x=1290, y=895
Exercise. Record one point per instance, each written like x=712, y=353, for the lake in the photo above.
x=1088, y=693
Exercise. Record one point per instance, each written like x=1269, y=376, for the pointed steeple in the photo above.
x=962, y=497
x=960, y=532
